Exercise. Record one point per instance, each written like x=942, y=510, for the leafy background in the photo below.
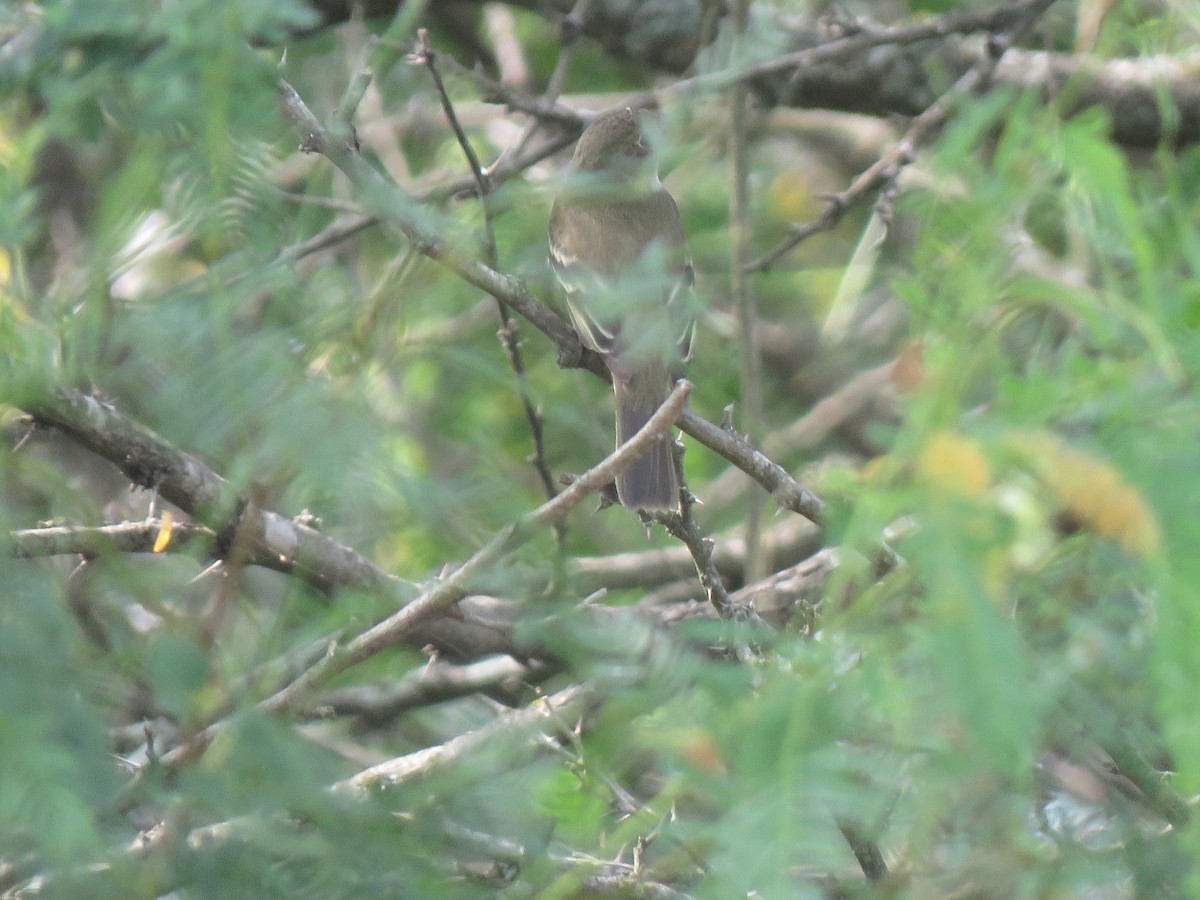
x=1008, y=713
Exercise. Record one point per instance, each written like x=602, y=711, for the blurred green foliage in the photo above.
x=1047, y=453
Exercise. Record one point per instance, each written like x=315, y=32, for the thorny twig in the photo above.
x=388, y=199
x=750, y=354
x=448, y=591
x=681, y=524
x=509, y=332
x=884, y=171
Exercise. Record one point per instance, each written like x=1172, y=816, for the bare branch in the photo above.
x=273, y=542
x=383, y=54
x=392, y=202
x=435, y=683
x=841, y=48
x=126, y=537
x=885, y=169
x=546, y=713
x=149, y=461
x=869, y=388
x=791, y=541
x=447, y=592
x=745, y=307
x=510, y=337
x=682, y=525
x=543, y=109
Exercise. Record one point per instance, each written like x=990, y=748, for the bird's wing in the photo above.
x=579, y=282
x=588, y=283
x=681, y=311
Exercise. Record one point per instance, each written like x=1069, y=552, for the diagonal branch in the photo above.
x=556, y=711
x=446, y=593
x=150, y=461
x=884, y=170
x=398, y=207
x=272, y=541
x=510, y=337
x=744, y=302
x=436, y=683
x=126, y=537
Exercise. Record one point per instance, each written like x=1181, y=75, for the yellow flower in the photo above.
x=952, y=463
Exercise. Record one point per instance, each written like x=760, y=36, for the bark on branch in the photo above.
x=272, y=541
x=893, y=71
x=390, y=201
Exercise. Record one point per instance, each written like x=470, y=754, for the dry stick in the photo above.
x=283, y=545
x=570, y=30
x=815, y=426
x=562, y=707
x=393, y=203
x=510, y=337
x=541, y=109
x=239, y=553
x=82, y=606
x=790, y=541
x=436, y=683
x=681, y=524
x=504, y=168
x=425, y=56
x=346, y=228
x=544, y=110
x=341, y=230
x=993, y=21
x=148, y=460
x=870, y=858
x=125, y=537
x=743, y=297
x=884, y=170
x=557, y=711
x=451, y=589
x=383, y=55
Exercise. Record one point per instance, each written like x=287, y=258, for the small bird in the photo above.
x=617, y=248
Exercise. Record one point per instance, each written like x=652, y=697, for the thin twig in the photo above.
x=382, y=55
x=566, y=705
x=236, y=548
x=545, y=713
x=426, y=56
x=570, y=30
x=436, y=683
x=883, y=172
x=791, y=540
x=681, y=524
x=451, y=589
x=509, y=333
x=81, y=601
x=548, y=112
x=740, y=287
x=867, y=852
x=995, y=20
x=389, y=200
x=125, y=537
x=867, y=390
x=345, y=228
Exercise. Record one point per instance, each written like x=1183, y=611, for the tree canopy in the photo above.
x=314, y=581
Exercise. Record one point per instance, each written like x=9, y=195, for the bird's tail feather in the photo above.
x=648, y=482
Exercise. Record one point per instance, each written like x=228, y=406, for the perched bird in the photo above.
x=617, y=249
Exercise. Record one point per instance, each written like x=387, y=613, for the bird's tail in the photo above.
x=649, y=482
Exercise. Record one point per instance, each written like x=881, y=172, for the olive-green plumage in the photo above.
x=617, y=247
